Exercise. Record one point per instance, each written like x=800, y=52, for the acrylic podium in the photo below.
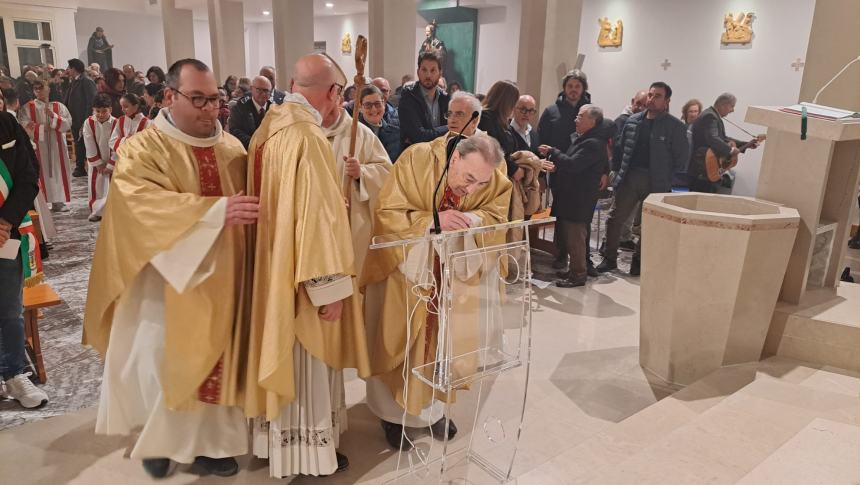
x=478, y=376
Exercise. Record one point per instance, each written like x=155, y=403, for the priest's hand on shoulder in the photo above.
x=452, y=220
x=332, y=311
x=242, y=209
x=352, y=167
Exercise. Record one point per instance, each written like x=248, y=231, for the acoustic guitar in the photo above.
x=716, y=166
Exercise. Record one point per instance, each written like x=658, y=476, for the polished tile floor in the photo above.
x=592, y=415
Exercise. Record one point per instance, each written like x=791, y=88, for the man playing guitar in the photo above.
x=711, y=147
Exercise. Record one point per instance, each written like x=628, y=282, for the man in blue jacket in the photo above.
x=423, y=105
x=653, y=145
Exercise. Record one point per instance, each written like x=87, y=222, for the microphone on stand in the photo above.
x=449, y=152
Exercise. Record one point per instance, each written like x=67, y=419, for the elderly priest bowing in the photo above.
x=476, y=192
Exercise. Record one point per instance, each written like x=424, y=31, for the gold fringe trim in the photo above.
x=35, y=280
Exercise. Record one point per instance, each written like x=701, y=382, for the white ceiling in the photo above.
x=253, y=9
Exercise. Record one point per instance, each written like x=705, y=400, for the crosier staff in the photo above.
x=360, y=59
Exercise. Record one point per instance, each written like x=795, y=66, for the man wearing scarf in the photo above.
x=163, y=299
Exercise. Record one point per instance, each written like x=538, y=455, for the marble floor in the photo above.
x=592, y=414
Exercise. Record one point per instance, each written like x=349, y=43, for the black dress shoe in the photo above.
x=156, y=467
x=342, y=462
x=606, y=265
x=438, y=429
x=846, y=275
x=635, y=266
x=79, y=172
x=570, y=282
x=394, y=436
x=222, y=467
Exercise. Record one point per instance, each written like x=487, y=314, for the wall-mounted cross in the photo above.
x=798, y=64
x=665, y=65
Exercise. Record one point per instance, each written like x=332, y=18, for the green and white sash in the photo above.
x=30, y=256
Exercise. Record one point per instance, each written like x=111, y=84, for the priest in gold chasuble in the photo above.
x=163, y=297
x=306, y=321
x=476, y=192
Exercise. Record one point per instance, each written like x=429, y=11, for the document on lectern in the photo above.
x=824, y=112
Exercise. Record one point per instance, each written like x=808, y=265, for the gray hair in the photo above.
x=474, y=103
x=726, y=98
x=594, y=112
x=484, y=144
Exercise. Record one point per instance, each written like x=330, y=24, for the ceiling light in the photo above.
x=329, y=5
x=266, y=12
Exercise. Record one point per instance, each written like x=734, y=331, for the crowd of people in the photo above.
x=159, y=161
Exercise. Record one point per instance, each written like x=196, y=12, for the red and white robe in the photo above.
x=123, y=128
x=97, y=141
x=49, y=122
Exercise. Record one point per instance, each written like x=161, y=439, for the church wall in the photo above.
x=138, y=37
x=687, y=33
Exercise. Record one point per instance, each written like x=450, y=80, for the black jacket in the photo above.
x=277, y=96
x=20, y=160
x=415, y=123
x=668, y=147
x=521, y=144
x=503, y=134
x=79, y=100
x=558, y=121
x=244, y=120
x=389, y=135
x=578, y=173
x=708, y=131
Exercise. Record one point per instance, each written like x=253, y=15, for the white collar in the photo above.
x=258, y=106
x=299, y=99
x=340, y=127
x=164, y=122
x=519, y=129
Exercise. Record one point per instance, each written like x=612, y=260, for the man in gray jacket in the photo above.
x=653, y=145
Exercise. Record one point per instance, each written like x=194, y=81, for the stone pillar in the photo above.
x=178, y=25
x=392, y=51
x=549, y=41
x=227, y=37
x=293, y=23
x=833, y=41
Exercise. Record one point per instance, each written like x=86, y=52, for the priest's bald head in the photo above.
x=321, y=81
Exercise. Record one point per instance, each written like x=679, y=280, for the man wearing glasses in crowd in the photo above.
x=247, y=114
x=524, y=134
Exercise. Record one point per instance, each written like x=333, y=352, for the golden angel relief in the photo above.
x=610, y=36
x=738, y=29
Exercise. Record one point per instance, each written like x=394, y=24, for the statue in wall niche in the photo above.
x=433, y=43
x=609, y=36
x=346, y=44
x=738, y=29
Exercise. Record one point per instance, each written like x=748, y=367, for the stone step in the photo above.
x=824, y=330
x=732, y=438
x=603, y=453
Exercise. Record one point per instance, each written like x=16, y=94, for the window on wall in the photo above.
x=33, y=42
x=4, y=52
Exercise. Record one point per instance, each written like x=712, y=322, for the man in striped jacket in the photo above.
x=97, y=130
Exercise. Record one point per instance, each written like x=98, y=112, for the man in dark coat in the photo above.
x=653, y=146
x=423, y=105
x=556, y=125
x=709, y=131
x=247, y=114
x=79, y=100
x=525, y=136
x=99, y=50
x=578, y=173
x=277, y=95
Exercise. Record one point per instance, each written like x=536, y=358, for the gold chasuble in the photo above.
x=405, y=210
x=302, y=236
x=162, y=188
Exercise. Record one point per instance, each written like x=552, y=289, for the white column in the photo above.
x=227, y=37
x=392, y=51
x=549, y=42
x=293, y=24
x=178, y=25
